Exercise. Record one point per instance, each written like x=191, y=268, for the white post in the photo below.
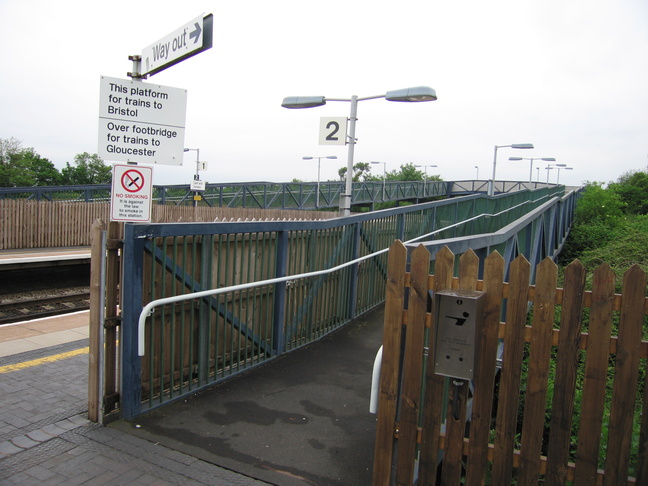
x=491, y=184
x=531, y=171
x=319, y=159
x=345, y=199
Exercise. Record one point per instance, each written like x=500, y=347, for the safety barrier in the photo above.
x=212, y=334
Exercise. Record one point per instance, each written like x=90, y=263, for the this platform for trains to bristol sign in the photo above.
x=141, y=122
x=131, y=193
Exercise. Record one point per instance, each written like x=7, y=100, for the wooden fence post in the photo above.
x=95, y=322
x=389, y=373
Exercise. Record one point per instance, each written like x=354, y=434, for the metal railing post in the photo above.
x=353, y=277
x=279, y=314
x=131, y=369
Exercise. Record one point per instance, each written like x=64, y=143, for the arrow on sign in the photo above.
x=195, y=35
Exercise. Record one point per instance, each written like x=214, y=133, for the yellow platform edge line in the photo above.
x=40, y=361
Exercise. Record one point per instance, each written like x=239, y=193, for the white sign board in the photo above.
x=198, y=185
x=333, y=131
x=131, y=193
x=141, y=122
x=180, y=43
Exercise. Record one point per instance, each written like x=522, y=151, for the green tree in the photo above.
x=42, y=170
x=11, y=169
x=23, y=167
x=598, y=205
x=407, y=172
x=87, y=169
x=598, y=218
x=632, y=189
x=360, y=170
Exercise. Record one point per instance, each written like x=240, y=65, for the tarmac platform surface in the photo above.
x=301, y=419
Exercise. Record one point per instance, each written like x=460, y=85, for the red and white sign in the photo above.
x=131, y=193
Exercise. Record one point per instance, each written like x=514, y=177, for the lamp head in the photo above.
x=419, y=93
x=548, y=159
x=522, y=146
x=516, y=158
x=303, y=101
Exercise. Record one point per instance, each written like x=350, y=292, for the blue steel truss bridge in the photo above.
x=286, y=195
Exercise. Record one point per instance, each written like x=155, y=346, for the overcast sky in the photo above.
x=571, y=77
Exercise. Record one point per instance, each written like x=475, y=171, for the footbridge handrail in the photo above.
x=493, y=238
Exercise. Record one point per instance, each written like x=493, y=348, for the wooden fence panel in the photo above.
x=537, y=359
x=538, y=373
x=434, y=384
x=566, y=374
x=626, y=375
x=596, y=365
x=390, y=368
x=511, y=374
x=50, y=224
x=458, y=393
x=412, y=365
x=485, y=370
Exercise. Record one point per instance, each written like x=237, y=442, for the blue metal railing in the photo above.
x=265, y=195
x=194, y=344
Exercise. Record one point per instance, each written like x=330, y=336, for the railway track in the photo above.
x=43, y=306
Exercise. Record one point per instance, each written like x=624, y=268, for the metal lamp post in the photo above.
x=417, y=94
x=384, y=177
x=477, y=167
x=563, y=168
x=551, y=166
x=425, y=176
x=319, y=159
x=491, y=183
x=531, y=159
x=197, y=176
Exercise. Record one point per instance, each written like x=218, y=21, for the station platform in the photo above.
x=31, y=257
x=301, y=419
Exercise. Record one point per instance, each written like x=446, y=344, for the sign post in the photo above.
x=131, y=193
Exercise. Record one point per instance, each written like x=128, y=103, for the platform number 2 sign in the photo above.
x=333, y=131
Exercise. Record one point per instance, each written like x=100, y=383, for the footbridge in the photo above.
x=202, y=302
x=274, y=195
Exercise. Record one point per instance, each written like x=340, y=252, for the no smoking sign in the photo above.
x=131, y=193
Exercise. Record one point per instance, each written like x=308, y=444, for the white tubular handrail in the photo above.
x=375, y=382
x=148, y=308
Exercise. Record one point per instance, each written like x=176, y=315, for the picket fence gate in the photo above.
x=551, y=413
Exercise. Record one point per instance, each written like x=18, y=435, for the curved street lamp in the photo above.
x=425, y=178
x=384, y=177
x=491, y=183
x=563, y=168
x=412, y=95
x=546, y=159
x=319, y=159
x=477, y=167
x=552, y=166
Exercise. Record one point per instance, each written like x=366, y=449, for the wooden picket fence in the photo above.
x=554, y=383
x=55, y=224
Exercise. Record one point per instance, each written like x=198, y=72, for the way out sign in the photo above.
x=131, y=193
